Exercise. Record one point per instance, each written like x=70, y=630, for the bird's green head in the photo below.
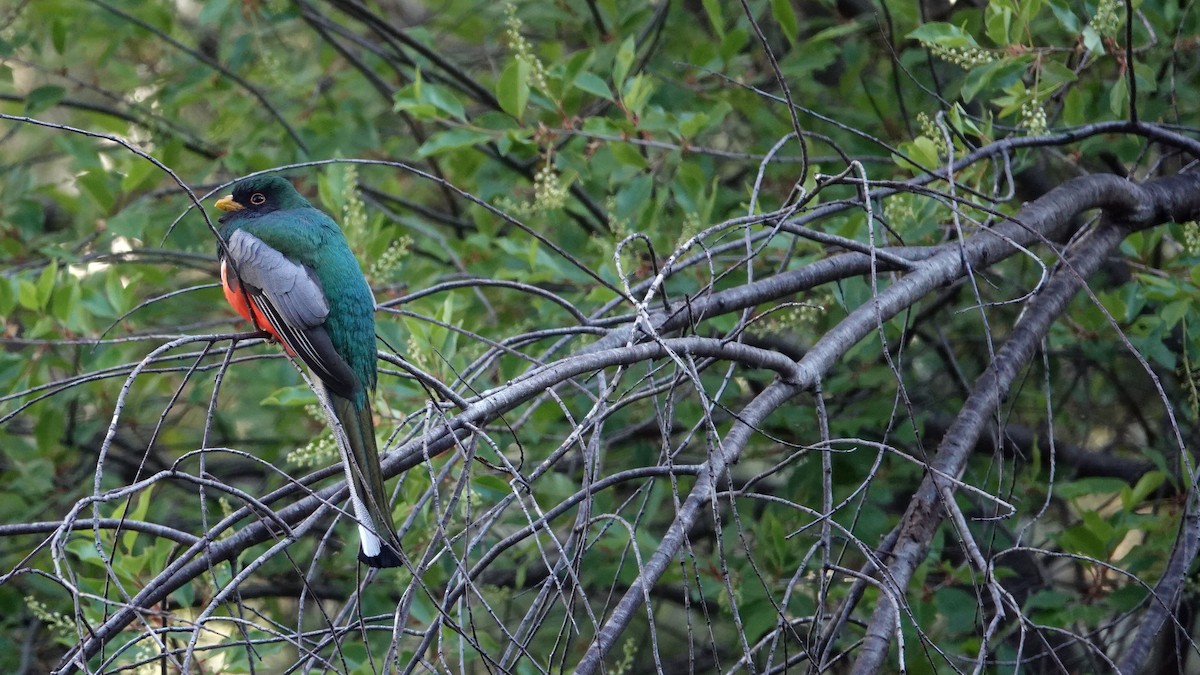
x=260, y=195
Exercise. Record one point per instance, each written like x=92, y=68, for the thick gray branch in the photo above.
x=1133, y=207
x=1042, y=220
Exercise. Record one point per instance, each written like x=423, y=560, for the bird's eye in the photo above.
x=257, y=199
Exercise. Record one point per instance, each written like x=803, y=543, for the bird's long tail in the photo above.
x=379, y=543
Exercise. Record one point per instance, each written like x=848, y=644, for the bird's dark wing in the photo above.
x=289, y=296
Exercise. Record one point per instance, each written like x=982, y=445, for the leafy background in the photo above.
x=528, y=183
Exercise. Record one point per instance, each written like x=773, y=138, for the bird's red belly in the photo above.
x=241, y=304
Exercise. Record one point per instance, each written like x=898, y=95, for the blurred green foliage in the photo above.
x=585, y=122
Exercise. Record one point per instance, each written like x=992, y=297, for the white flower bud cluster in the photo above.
x=1191, y=237
x=933, y=133
x=548, y=194
x=319, y=452
x=416, y=354
x=967, y=57
x=898, y=209
x=807, y=314
x=1107, y=19
x=388, y=263
x=1033, y=118
x=521, y=48
x=57, y=622
x=354, y=212
x=548, y=190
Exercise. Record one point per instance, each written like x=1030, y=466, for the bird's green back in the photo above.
x=310, y=237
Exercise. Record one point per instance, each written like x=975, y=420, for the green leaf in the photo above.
x=998, y=22
x=959, y=608
x=636, y=93
x=1074, y=110
x=1084, y=541
x=1089, y=486
x=786, y=17
x=513, y=88
x=1147, y=82
x=27, y=294
x=96, y=185
x=447, y=315
x=290, y=397
x=628, y=155
x=1047, y=599
x=212, y=11
x=445, y=100
x=593, y=84
x=42, y=98
x=45, y=284
x=85, y=550
x=48, y=433
x=924, y=151
x=633, y=198
x=1102, y=527
x=139, y=174
x=944, y=34
x=418, y=83
x=963, y=123
x=1173, y=312
x=490, y=486
x=422, y=111
x=114, y=290
x=58, y=35
x=428, y=101
x=575, y=65
x=623, y=62
x=64, y=302
x=1146, y=485
x=712, y=9
x=1066, y=18
x=409, y=96
x=452, y=139
x=8, y=296
x=996, y=74
x=835, y=31
x=733, y=43
x=140, y=509
x=1118, y=99
x=504, y=144
x=1054, y=74
x=691, y=124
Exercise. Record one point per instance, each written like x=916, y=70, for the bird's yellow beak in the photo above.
x=226, y=203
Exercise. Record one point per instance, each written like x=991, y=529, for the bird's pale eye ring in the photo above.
x=257, y=199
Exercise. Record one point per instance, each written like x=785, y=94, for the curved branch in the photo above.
x=1132, y=207
x=210, y=550
x=1176, y=198
x=54, y=526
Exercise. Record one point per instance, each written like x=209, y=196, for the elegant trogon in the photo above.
x=286, y=268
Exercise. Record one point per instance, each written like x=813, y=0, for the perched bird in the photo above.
x=286, y=268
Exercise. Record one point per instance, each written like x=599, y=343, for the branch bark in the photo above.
x=1128, y=207
x=1045, y=220
x=1042, y=220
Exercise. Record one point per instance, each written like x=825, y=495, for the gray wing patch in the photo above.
x=289, y=296
x=291, y=287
